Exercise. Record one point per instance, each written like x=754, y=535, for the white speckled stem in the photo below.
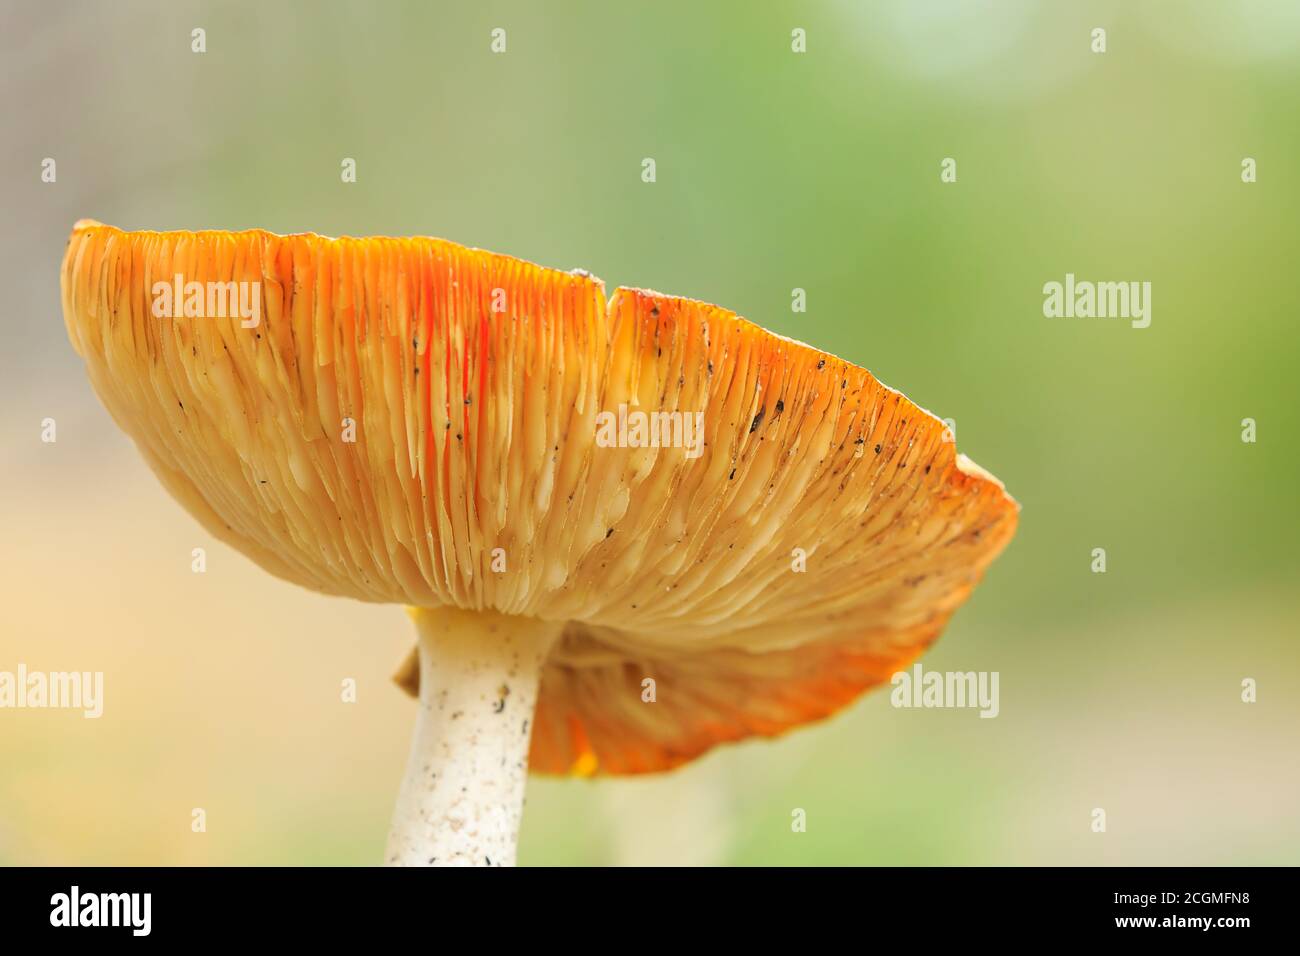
x=463, y=794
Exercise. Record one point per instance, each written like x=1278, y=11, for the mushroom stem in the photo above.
x=463, y=794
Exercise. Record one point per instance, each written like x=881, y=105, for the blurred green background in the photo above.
x=775, y=170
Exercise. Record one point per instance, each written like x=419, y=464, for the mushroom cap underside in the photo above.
x=762, y=529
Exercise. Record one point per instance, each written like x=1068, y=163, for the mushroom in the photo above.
x=626, y=530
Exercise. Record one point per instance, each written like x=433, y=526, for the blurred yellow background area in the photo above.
x=775, y=170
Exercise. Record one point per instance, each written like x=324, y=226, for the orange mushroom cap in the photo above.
x=473, y=475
